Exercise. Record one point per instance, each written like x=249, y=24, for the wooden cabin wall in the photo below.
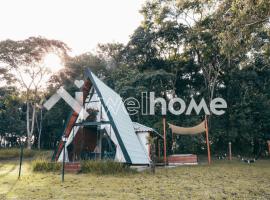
x=85, y=141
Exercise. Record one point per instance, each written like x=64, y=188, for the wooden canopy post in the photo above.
x=164, y=139
x=207, y=140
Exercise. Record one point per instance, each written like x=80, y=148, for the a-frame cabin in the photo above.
x=105, y=132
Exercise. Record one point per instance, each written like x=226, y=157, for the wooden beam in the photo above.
x=87, y=123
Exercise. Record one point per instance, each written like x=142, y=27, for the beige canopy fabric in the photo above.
x=200, y=128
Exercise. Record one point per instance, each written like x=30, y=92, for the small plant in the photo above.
x=92, y=114
x=105, y=167
x=43, y=165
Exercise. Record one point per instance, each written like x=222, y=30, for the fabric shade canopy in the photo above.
x=200, y=128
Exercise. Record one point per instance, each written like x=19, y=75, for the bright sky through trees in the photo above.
x=79, y=23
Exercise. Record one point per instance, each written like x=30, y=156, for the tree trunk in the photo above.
x=28, y=125
x=30, y=130
x=39, y=127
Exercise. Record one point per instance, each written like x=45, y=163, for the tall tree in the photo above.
x=25, y=58
x=11, y=113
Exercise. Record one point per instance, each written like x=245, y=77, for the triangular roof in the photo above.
x=120, y=121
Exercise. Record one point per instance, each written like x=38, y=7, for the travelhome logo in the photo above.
x=148, y=105
x=76, y=104
x=175, y=106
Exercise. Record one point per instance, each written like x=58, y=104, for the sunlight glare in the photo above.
x=53, y=62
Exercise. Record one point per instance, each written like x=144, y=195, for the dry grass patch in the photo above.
x=221, y=180
x=105, y=167
x=13, y=153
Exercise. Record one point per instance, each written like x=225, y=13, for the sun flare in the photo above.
x=53, y=62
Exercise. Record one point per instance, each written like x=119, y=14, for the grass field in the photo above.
x=14, y=153
x=222, y=180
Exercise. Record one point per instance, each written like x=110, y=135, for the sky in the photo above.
x=81, y=24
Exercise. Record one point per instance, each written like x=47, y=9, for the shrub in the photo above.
x=105, y=167
x=43, y=165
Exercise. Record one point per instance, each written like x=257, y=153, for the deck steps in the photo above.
x=183, y=159
x=72, y=167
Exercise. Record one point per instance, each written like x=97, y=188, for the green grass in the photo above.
x=221, y=180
